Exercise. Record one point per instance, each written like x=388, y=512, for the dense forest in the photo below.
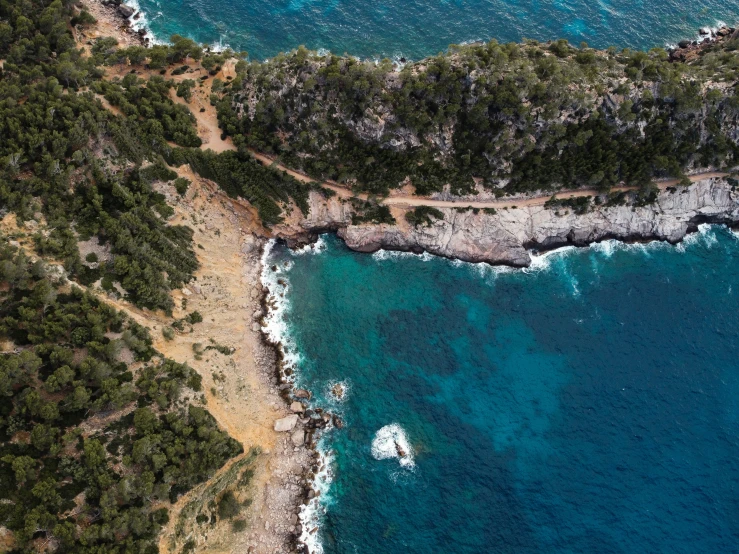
x=88, y=171
x=73, y=478
x=98, y=431
x=519, y=117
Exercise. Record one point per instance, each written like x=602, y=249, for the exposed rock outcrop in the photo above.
x=506, y=236
x=688, y=51
x=286, y=423
x=126, y=11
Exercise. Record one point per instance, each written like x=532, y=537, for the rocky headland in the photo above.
x=507, y=235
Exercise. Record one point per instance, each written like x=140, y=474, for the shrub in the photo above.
x=181, y=185
x=238, y=525
x=423, y=215
x=228, y=506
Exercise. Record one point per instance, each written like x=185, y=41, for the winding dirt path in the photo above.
x=210, y=133
x=413, y=201
x=532, y=201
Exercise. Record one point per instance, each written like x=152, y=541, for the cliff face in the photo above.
x=506, y=236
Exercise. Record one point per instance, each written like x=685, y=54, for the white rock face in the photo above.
x=505, y=237
x=298, y=437
x=286, y=423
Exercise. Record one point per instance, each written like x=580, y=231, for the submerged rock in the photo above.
x=338, y=391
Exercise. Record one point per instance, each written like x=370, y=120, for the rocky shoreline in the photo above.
x=301, y=426
x=114, y=19
x=506, y=236
x=304, y=424
x=689, y=50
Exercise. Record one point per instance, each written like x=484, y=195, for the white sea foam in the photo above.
x=311, y=514
x=278, y=331
x=543, y=261
x=143, y=21
x=575, y=284
x=606, y=247
x=382, y=255
x=486, y=272
x=706, y=235
x=472, y=41
x=388, y=443
x=344, y=386
x=717, y=24
x=314, y=248
x=399, y=63
x=275, y=324
x=483, y=270
x=220, y=46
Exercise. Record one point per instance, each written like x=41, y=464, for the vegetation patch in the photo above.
x=88, y=441
x=370, y=211
x=579, y=205
x=423, y=216
x=525, y=117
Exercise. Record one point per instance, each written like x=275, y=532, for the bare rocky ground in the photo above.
x=505, y=235
x=242, y=389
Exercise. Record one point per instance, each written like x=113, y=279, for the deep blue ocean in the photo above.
x=589, y=404
x=419, y=28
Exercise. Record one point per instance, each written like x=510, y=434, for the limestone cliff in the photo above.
x=506, y=237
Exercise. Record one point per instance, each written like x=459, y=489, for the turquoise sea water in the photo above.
x=589, y=404
x=418, y=28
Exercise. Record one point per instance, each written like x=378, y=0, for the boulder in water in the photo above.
x=338, y=390
x=392, y=442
